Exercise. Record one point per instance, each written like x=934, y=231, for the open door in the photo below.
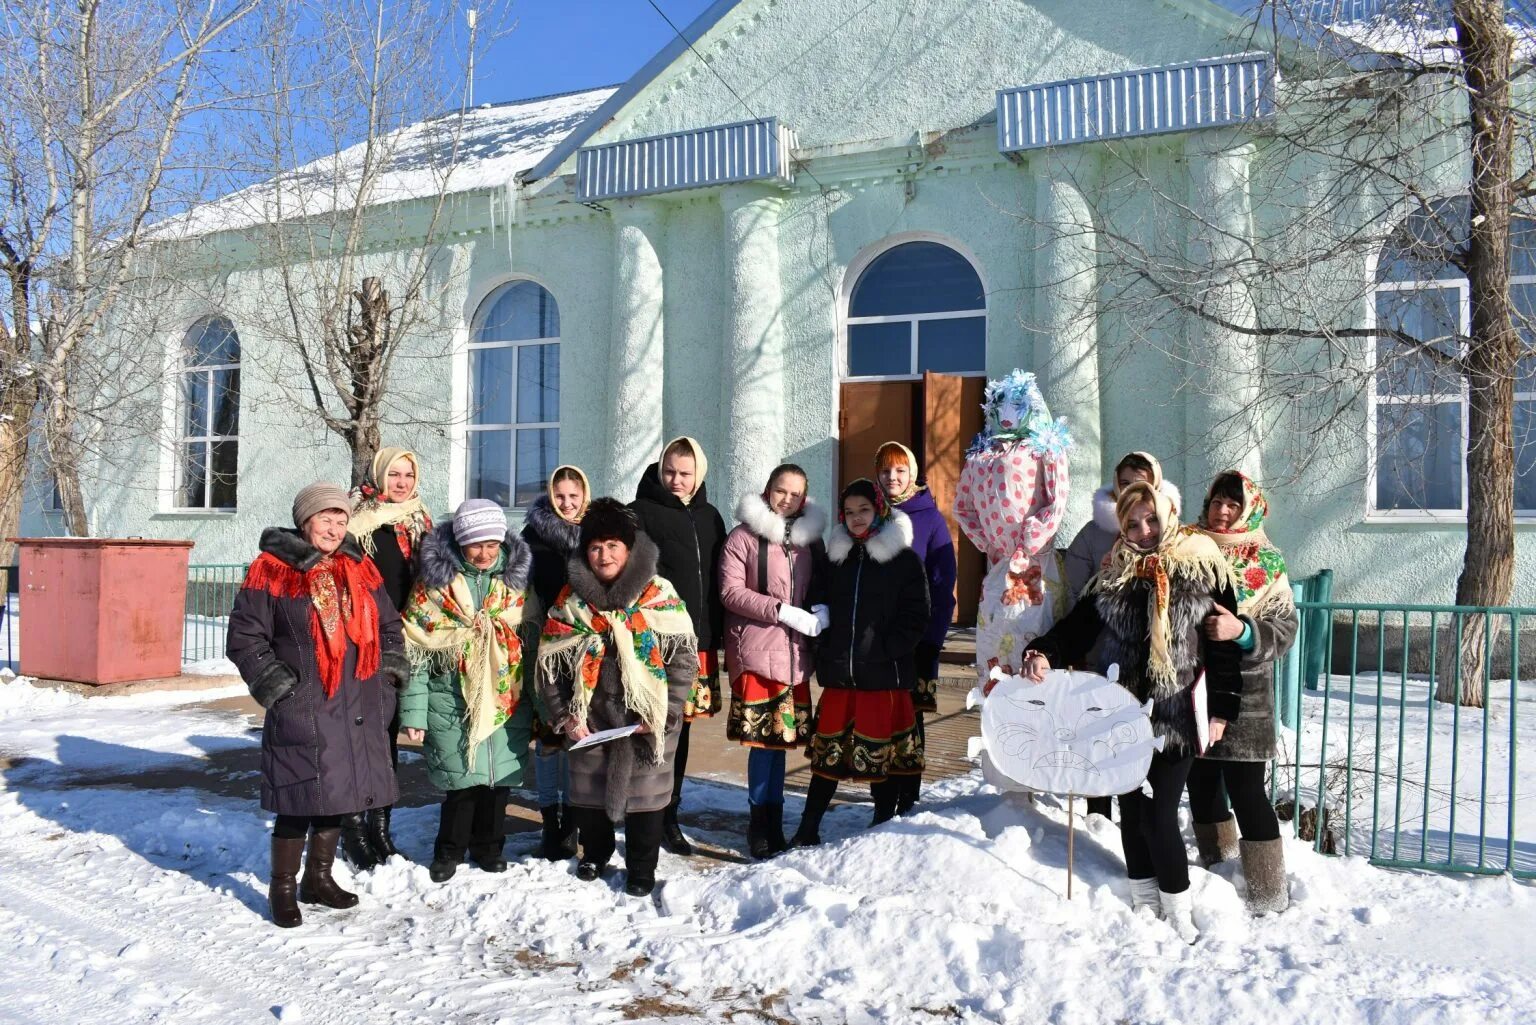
x=951, y=418
x=872, y=413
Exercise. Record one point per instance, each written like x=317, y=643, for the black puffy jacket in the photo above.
x=878, y=598
x=689, y=537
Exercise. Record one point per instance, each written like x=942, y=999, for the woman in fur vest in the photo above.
x=673, y=506
x=897, y=471
x=771, y=578
x=1263, y=629
x=465, y=704
x=553, y=533
x=877, y=593
x=317, y=641
x=618, y=650
x=389, y=522
x=1150, y=603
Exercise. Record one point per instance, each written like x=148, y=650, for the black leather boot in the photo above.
x=567, y=832
x=773, y=818
x=283, y=889
x=317, y=886
x=553, y=846
x=759, y=843
x=672, y=837
x=355, y=846
x=379, y=839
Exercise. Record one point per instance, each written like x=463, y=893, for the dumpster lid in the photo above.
x=98, y=542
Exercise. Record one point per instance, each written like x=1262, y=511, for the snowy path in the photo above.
x=123, y=905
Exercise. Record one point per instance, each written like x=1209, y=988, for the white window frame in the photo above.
x=855, y=274
x=1375, y=399
x=471, y=426
x=181, y=440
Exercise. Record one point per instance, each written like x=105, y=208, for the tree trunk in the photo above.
x=1487, y=574
x=14, y=443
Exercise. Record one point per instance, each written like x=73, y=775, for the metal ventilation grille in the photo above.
x=745, y=151
x=1176, y=98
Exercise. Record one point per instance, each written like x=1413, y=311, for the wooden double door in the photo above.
x=936, y=417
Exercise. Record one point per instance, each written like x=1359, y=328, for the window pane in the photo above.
x=192, y=475
x=212, y=341
x=491, y=385
x=1419, y=464
x=194, y=405
x=490, y=466
x=1421, y=247
x=538, y=384
x=1525, y=456
x=952, y=346
x=1522, y=246
x=225, y=472
x=1524, y=298
x=1431, y=316
x=879, y=350
x=517, y=311
x=226, y=402
x=538, y=453
x=917, y=277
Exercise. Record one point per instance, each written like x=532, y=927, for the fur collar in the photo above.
x=1104, y=516
x=288, y=546
x=651, y=489
x=442, y=559
x=624, y=591
x=887, y=542
x=554, y=530
x=807, y=528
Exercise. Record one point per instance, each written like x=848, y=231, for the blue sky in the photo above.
x=561, y=45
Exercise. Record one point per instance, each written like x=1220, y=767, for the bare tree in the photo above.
x=101, y=97
x=361, y=158
x=1400, y=150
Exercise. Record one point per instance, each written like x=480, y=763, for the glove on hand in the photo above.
x=823, y=616
x=799, y=620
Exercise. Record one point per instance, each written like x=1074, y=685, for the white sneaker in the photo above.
x=1178, y=911
x=1144, y=894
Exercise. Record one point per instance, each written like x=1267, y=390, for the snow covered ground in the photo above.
x=122, y=903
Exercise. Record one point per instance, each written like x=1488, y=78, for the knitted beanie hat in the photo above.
x=478, y=519
x=608, y=519
x=318, y=497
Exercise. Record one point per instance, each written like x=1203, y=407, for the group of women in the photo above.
x=590, y=636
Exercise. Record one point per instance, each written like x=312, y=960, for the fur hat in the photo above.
x=478, y=519
x=608, y=518
x=318, y=497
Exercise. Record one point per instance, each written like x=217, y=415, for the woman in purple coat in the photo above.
x=318, y=641
x=897, y=470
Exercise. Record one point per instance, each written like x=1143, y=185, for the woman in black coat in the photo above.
x=1150, y=603
x=877, y=597
x=675, y=513
x=389, y=521
x=319, y=643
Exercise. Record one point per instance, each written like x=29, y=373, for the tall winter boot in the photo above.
x=550, y=848
x=886, y=793
x=1216, y=841
x=1179, y=912
x=317, y=886
x=567, y=832
x=1264, y=869
x=283, y=890
x=759, y=844
x=1144, y=894
x=817, y=799
x=672, y=837
x=379, y=838
x=773, y=818
x=355, y=846
x=908, y=790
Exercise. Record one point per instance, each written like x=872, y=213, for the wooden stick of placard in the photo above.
x=1071, y=832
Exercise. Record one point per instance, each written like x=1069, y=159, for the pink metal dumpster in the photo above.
x=102, y=610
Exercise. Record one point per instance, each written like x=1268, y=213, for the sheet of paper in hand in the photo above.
x=1075, y=733
x=603, y=736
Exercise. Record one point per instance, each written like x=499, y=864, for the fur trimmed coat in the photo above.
x=551, y=540
x=620, y=776
x=319, y=755
x=791, y=560
x=1085, y=555
x=1119, y=615
x=877, y=594
x=688, y=537
x=434, y=701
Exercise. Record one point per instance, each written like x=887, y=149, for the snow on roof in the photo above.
x=494, y=142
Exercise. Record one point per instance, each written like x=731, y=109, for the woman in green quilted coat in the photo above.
x=466, y=702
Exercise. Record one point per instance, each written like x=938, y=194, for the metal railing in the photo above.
x=211, y=590
x=1373, y=764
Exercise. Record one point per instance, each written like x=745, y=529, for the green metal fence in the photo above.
x=1373, y=764
x=211, y=589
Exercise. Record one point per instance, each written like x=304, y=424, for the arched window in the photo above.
x=1419, y=408
x=208, y=400
x=917, y=306
x=514, y=389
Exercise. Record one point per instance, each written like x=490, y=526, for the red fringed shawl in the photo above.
x=342, y=608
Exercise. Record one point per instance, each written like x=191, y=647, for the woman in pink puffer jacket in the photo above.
x=772, y=572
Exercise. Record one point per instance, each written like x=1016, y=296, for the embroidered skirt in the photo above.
x=704, y=699
x=925, y=697
x=769, y=714
x=865, y=735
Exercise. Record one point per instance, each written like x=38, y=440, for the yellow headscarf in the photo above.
x=586, y=491
x=370, y=510
x=913, y=487
x=701, y=463
x=384, y=459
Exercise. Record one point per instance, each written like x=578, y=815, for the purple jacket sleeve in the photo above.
x=938, y=554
